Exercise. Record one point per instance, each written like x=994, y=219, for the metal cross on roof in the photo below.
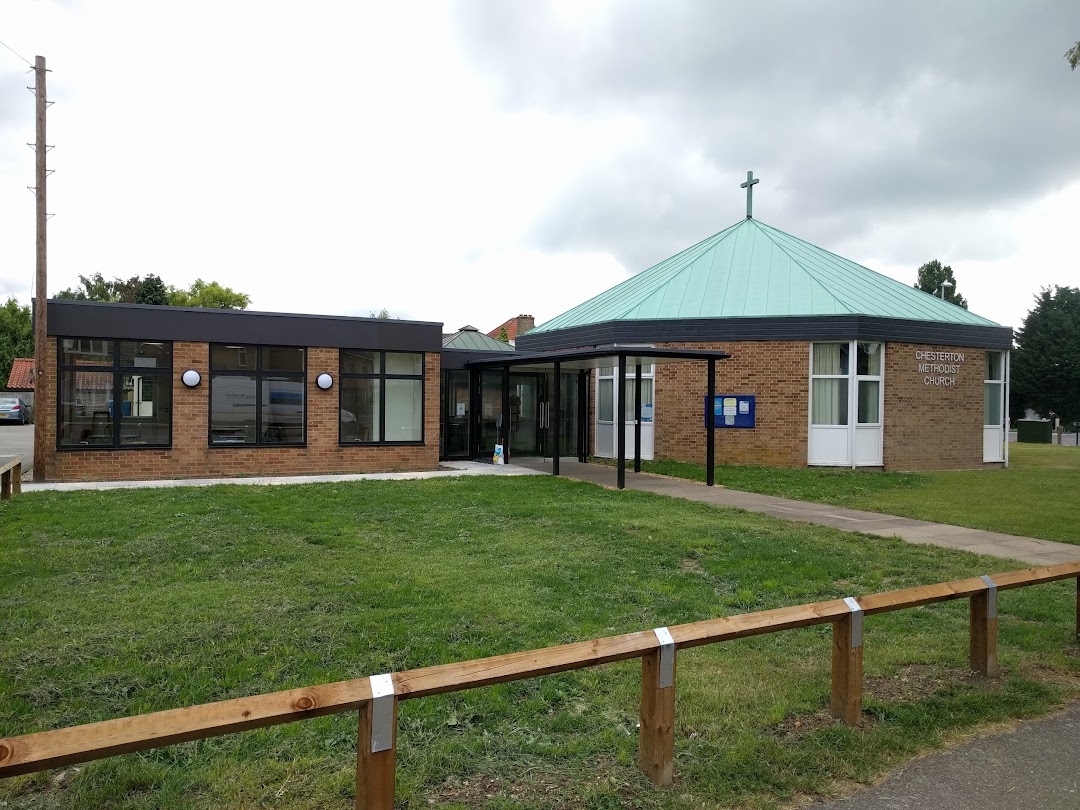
x=749, y=186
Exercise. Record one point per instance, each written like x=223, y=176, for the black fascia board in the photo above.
x=568, y=357
x=827, y=327
x=457, y=359
x=93, y=319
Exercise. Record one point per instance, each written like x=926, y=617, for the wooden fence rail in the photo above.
x=10, y=479
x=376, y=698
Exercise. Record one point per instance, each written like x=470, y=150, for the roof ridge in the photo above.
x=765, y=229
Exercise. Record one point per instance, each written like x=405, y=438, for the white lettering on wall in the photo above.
x=938, y=367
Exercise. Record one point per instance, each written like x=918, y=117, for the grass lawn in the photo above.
x=121, y=602
x=1037, y=496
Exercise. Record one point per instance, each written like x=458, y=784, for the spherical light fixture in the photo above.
x=324, y=381
x=191, y=378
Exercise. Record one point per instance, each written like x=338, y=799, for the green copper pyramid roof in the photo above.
x=751, y=270
x=469, y=337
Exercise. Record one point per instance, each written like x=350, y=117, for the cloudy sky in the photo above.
x=464, y=162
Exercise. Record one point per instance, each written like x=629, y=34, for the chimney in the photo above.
x=524, y=324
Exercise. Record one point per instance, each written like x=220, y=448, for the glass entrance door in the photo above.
x=532, y=411
x=526, y=407
x=454, y=437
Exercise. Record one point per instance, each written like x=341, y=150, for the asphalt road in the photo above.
x=1037, y=766
x=17, y=440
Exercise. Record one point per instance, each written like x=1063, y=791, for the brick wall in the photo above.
x=775, y=372
x=191, y=457
x=933, y=427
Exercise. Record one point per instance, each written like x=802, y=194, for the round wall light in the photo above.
x=191, y=378
x=324, y=381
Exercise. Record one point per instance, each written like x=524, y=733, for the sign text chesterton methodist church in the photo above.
x=939, y=368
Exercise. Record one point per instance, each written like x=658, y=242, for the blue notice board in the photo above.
x=730, y=411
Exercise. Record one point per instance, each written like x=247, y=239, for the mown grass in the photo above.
x=1037, y=496
x=116, y=603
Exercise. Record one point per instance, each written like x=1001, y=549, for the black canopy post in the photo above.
x=620, y=420
x=637, y=418
x=710, y=430
x=506, y=414
x=583, y=417
x=556, y=419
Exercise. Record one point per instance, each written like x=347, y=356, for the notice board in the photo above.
x=730, y=411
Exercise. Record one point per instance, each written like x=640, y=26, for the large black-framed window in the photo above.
x=382, y=397
x=113, y=394
x=257, y=395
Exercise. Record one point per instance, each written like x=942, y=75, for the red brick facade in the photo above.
x=933, y=427
x=191, y=457
x=776, y=372
x=926, y=426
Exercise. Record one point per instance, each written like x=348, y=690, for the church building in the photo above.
x=831, y=363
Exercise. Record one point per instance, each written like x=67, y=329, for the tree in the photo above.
x=932, y=275
x=16, y=336
x=152, y=291
x=98, y=288
x=208, y=294
x=383, y=314
x=504, y=336
x=1073, y=55
x=1046, y=364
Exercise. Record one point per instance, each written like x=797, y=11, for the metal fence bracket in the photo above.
x=991, y=597
x=382, y=712
x=667, y=657
x=856, y=621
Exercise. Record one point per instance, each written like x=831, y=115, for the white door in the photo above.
x=611, y=400
x=994, y=408
x=846, y=399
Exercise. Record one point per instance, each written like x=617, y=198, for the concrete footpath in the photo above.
x=921, y=532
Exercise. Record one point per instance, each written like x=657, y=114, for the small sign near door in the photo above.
x=730, y=411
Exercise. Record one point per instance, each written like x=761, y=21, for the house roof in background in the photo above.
x=21, y=377
x=752, y=270
x=511, y=327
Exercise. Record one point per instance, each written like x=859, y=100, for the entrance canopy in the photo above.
x=600, y=357
x=583, y=360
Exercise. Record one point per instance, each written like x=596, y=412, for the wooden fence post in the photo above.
x=847, y=665
x=376, y=747
x=982, y=647
x=5, y=485
x=656, y=738
x=16, y=479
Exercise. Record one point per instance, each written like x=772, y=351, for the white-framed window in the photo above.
x=992, y=387
x=830, y=374
x=605, y=392
x=868, y=382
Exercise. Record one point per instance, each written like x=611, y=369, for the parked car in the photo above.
x=14, y=409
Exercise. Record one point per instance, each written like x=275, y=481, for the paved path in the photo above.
x=1035, y=767
x=922, y=532
x=449, y=468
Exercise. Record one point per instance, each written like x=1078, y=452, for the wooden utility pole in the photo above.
x=42, y=381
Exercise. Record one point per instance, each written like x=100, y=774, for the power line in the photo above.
x=31, y=64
